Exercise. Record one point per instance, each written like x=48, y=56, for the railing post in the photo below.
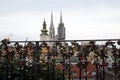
x=64, y=67
x=79, y=65
x=86, y=63
x=53, y=67
x=20, y=67
x=97, y=65
x=37, y=53
x=69, y=66
x=119, y=66
x=103, y=66
x=48, y=67
x=115, y=64
x=54, y=60
x=7, y=66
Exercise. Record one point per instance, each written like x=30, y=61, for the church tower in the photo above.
x=44, y=35
x=51, y=30
x=61, y=29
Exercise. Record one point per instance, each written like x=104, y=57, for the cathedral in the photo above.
x=50, y=35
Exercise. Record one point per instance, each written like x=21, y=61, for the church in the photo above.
x=50, y=35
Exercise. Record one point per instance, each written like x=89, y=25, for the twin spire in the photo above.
x=52, y=18
x=44, y=30
x=60, y=32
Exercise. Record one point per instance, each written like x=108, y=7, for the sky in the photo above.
x=83, y=19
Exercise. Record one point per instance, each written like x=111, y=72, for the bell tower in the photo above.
x=44, y=35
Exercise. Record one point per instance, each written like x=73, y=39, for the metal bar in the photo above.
x=7, y=67
x=80, y=68
x=63, y=67
x=48, y=68
x=69, y=67
x=115, y=65
x=86, y=73
x=97, y=65
x=69, y=40
x=103, y=53
x=37, y=53
x=53, y=67
x=20, y=71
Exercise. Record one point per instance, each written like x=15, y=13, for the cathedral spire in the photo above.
x=61, y=29
x=61, y=17
x=52, y=30
x=51, y=24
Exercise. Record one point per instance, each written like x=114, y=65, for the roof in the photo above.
x=91, y=71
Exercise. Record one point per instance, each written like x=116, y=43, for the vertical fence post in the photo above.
x=80, y=63
x=7, y=66
x=80, y=72
x=53, y=66
x=103, y=66
x=20, y=71
x=119, y=65
x=64, y=66
x=69, y=66
x=48, y=67
x=86, y=72
x=97, y=65
x=37, y=53
x=54, y=52
x=118, y=68
x=115, y=58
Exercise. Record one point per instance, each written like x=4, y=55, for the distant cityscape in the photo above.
x=59, y=39
x=70, y=60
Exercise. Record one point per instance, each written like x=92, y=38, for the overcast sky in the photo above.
x=83, y=19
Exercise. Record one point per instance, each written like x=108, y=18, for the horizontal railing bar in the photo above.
x=69, y=40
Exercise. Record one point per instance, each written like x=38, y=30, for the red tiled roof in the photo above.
x=91, y=68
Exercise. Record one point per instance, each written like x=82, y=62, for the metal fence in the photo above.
x=60, y=60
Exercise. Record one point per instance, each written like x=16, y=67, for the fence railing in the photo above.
x=60, y=60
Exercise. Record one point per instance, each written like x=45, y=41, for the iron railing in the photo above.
x=60, y=60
